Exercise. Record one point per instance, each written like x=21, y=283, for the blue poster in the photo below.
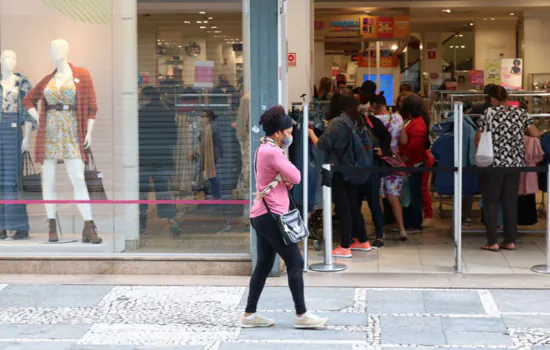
x=386, y=85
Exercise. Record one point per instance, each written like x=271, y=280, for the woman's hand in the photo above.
x=378, y=151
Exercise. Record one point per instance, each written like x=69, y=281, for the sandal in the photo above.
x=488, y=248
x=507, y=246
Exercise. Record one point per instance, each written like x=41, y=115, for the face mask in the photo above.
x=287, y=141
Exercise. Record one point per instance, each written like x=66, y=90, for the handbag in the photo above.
x=395, y=162
x=31, y=180
x=290, y=225
x=94, y=179
x=485, y=154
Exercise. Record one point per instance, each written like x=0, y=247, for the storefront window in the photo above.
x=171, y=177
x=192, y=75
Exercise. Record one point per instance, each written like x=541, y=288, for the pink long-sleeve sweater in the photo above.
x=271, y=161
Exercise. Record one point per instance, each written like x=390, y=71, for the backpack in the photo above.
x=361, y=144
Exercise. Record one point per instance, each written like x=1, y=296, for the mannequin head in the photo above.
x=8, y=60
x=59, y=50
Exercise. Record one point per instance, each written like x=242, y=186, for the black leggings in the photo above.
x=352, y=224
x=269, y=243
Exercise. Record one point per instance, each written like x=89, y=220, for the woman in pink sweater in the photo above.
x=275, y=176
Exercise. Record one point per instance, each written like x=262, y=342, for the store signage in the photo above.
x=204, y=74
x=344, y=26
x=291, y=59
x=373, y=27
x=492, y=72
x=477, y=77
x=511, y=73
x=388, y=59
x=432, y=54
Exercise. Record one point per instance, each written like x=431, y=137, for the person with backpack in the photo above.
x=345, y=142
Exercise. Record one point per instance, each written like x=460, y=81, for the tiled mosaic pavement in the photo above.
x=74, y=317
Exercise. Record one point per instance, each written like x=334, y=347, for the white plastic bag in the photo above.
x=485, y=155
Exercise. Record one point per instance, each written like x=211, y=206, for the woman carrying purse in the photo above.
x=275, y=175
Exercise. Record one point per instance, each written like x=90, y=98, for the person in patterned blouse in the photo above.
x=508, y=125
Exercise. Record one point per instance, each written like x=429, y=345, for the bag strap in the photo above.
x=91, y=161
x=28, y=164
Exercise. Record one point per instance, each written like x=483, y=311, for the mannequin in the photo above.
x=13, y=88
x=66, y=122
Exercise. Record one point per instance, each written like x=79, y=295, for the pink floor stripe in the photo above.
x=121, y=201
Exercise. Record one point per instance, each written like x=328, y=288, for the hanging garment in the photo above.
x=443, y=151
x=527, y=210
x=528, y=182
x=12, y=102
x=208, y=167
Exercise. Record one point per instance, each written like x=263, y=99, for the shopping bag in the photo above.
x=94, y=179
x=31, y=181
x=485, y=154
x=405, y=197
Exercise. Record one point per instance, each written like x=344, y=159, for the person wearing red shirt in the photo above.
x=413, y=152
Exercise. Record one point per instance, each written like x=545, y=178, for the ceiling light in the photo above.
x=187, y=22
x=460, y=35
x=471, y=24
x=446, y=10
x=421, y=46
x=367, y=11
x=202, y=27
x=202, y=13
x=198, y=22
x=214, y=27
x=463, y=47
x=210, y=17
x=512, y=14
x=451, y=47
x=492, y=19
x=204, y=21
x=217, y=31
x=485, y=18
x=394, y=47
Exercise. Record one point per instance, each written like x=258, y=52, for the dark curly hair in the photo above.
x=272, y=118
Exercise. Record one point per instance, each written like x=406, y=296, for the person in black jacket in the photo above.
x=158, y=135
x=371, y=189
x=335, y=142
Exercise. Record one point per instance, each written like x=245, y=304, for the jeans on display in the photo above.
x=371, y=192
x=270, y=243
x=352, y=223
x=12, y=216
x=215, y=185
x=412, y=215
x=161, y=180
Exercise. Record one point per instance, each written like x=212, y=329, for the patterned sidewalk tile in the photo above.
x=327, y=299
x=33, y=331
x=537, y=301
x=270, y=346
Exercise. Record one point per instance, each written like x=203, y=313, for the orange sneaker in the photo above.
x=341, y=252
x=362, y=247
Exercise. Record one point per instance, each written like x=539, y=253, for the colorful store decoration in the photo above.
x=492, y=72
x=204, y=74
x=477, y=77
x=192, y=50
x=85, y=11
x=388, y=59
x=511, y=76
x=291, y=59
x=344, y=26
x=373, y=27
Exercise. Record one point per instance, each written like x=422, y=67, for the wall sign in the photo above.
x=344, y=26
x=432, y=54
x=492, y=71
x=511, y=73
x=388, y=59
x=204, y=74
x=373, y=27
x=291, y=59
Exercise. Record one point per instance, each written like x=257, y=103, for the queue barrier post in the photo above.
x=545, y=269
x=327, y=265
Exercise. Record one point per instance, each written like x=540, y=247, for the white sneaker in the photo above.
x=310, y=321
x=256, y=321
